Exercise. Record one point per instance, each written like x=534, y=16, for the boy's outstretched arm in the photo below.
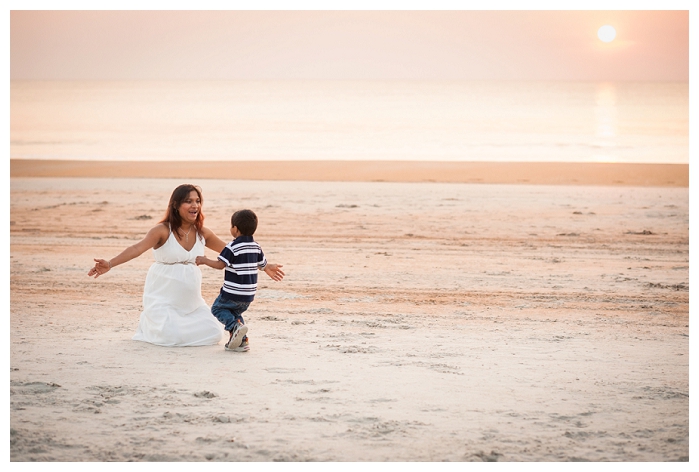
x=274, y=271
x=203, y=260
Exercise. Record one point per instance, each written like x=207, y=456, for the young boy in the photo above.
x=241, y=258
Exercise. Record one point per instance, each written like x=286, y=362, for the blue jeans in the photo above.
x=229, y=312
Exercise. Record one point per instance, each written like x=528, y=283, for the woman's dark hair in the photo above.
x=179, y=195
x=246, y=221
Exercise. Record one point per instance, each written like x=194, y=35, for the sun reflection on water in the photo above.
x=606, y=122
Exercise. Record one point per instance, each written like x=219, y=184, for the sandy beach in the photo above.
x=505, y=320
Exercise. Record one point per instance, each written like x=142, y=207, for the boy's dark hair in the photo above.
x=246, y=221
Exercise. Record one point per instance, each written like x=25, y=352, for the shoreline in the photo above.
x=532, y=173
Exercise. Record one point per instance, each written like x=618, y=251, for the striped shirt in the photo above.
x=243, y=257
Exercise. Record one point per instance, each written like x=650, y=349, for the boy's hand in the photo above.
x=274, y=271
x=200, y=260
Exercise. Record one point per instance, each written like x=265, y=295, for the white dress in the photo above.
x=174, y=312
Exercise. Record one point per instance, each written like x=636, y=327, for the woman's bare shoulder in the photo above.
x=158, y=234
x=211, y=240
x=207, y=232
x=161, y=229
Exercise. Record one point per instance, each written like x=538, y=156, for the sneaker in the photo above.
x=236, y=338
x=244, y=346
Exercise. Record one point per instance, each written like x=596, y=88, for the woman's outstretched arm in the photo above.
x=156, y=237
x=212, y=241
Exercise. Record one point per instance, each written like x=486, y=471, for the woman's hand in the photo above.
x=101, y=268
x=156, y=237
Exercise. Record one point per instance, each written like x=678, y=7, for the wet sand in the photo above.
x=417, y=322
x=543, y=173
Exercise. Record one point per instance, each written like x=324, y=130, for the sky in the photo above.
x=464, y=45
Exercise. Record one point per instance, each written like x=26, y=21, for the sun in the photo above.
x=606, y=33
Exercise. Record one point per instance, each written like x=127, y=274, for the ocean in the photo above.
x=623, y=122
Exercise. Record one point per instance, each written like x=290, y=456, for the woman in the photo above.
x=174, y=312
